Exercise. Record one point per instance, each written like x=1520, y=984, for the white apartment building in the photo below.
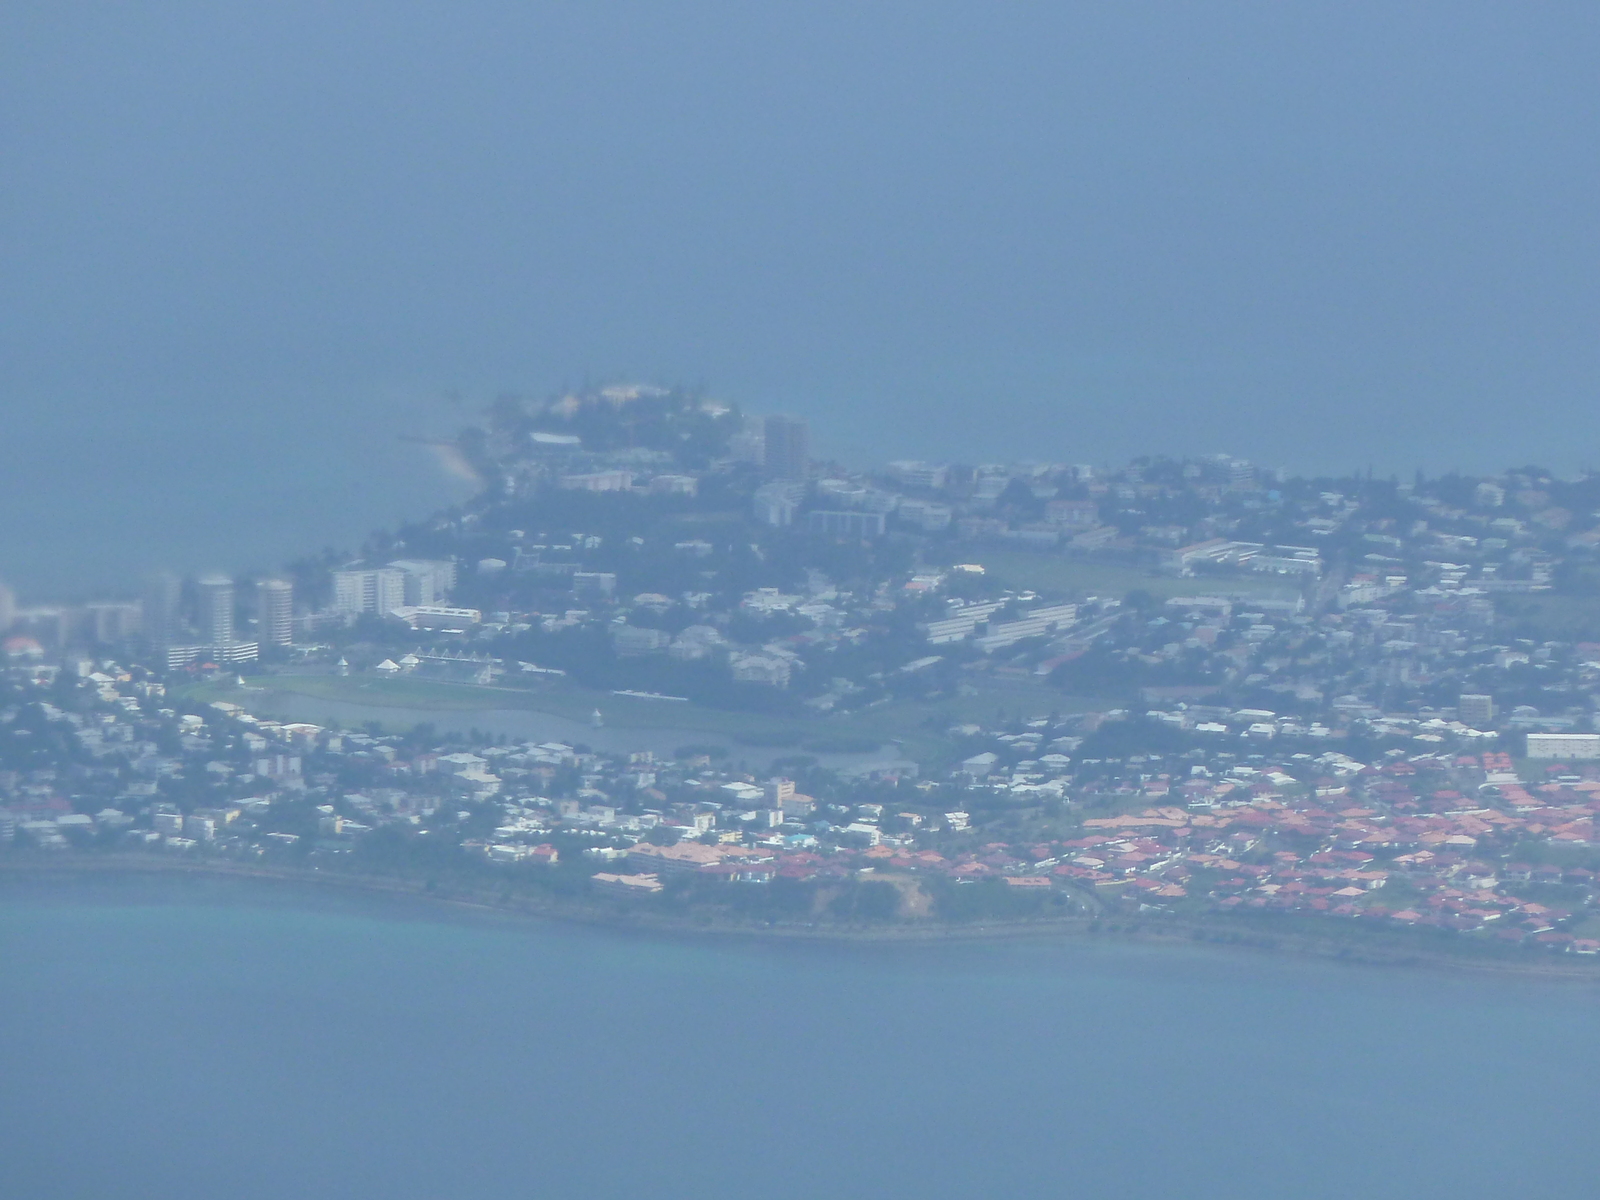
x=369, y=590
x=1564, y=745
x=961, y=622
x=275, y=612
x=1036, y=623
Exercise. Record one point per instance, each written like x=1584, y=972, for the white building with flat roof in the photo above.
x=369, y=590
x=1564, y=745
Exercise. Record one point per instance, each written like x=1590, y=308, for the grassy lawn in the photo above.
x=919, y=725
x=1054, y=574
x=562, y=699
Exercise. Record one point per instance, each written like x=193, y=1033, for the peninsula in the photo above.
x=668, y=669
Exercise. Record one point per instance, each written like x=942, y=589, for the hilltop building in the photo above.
x=381, y=590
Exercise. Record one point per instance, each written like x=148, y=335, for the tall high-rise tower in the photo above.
x=787, y=453
x=162, y=593
x=275, y=612
x=216, y=610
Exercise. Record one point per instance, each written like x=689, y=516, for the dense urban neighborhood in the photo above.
x=780, y=693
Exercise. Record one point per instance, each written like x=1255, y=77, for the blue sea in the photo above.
x=196, y=1039
x=244, y=248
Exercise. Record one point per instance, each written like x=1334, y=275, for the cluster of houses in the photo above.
x=1351, y=699
x=1461, y=839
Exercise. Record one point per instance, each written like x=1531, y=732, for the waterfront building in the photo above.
x=162, y=594
x=275, y=612
x=216, y=609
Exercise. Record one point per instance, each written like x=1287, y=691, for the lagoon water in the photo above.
x=199, y=1039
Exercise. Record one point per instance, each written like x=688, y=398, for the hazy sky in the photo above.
x=243, y=246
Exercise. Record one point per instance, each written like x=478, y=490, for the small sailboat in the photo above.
x=596, y=719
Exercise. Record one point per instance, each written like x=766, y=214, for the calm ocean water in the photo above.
x=243, y=247
x=185, y=1040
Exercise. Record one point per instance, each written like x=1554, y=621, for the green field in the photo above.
x=921, y=724
x=1053, y=574
x=560, y=699
x=918, y=725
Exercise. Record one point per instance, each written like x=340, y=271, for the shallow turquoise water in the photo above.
x=194, y=1040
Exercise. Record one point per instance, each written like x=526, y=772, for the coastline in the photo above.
x=1016, y=775
x=1376, y=949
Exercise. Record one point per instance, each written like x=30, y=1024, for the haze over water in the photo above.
x=245, y=247
x=188, y=1039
